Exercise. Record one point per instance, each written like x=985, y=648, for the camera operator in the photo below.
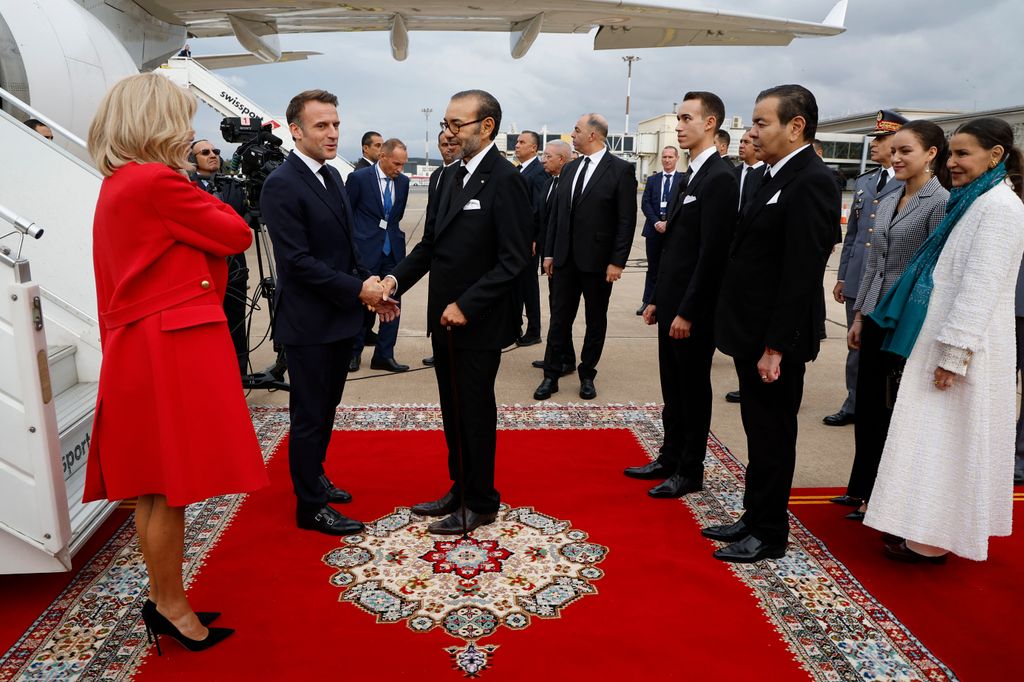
x=207, y=176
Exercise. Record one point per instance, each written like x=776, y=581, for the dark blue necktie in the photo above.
x=666, y=185
x=387, y=213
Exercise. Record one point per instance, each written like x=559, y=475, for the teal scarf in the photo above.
x=902, y=310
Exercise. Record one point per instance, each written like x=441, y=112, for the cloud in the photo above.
x=941, y=54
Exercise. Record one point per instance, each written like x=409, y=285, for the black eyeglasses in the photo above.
x=456, y=127
x=207, y=152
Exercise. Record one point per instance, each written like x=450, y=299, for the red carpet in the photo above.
x=662, y=600
x=970, y=614
x=25, y=597
x=583, y=576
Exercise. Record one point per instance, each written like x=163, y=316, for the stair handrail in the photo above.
x=34, y=113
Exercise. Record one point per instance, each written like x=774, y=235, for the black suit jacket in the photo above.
x=696, y=245
x=318, y=273
x=771, y=292
x=536, y=180
x=474, y=255
x=602, y=223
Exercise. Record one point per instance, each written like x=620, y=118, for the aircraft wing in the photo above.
x=619, y=24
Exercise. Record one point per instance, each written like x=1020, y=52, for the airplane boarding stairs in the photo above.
x=49, y=347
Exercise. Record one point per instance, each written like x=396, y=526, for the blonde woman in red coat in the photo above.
x=172, y=426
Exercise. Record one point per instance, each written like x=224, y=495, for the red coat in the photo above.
x=171, y=417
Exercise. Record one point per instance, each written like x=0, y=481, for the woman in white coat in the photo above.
x=944, y=482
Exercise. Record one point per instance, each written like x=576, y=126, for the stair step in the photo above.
x=63, y=371
x=75, y=411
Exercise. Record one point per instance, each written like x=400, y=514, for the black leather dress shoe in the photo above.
x=641, y=309
x=539, y=364
x=732, y=396
x=650, y=471
x=903, y=553
x=445, y=505
x=452, y=524
x=334, y=493
x=729, y=532
x=855, y=515
x=546, y=389
x=429, y=362
x=748, y=550
x=328, y=521
x=388, y=364
x=353, y=364
x=528, y=340
x=847, y=501
x=840, y=418
x=587, y=389
x=676, y=486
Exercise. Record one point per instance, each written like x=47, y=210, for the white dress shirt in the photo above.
x=313, y=164
x=595, y=159
x=774, y=169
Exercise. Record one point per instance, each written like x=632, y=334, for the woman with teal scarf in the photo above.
x=945, y=480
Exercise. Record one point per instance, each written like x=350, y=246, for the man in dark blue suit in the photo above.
x=378, y=194
x=320, y=298
x=654, y=206
x=531, y=169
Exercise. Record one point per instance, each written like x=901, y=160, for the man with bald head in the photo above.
x=588, y=241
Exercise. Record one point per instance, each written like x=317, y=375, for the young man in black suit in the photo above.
x=371, y=143
x=698, y=233
x=476, y=241
x=587, y=246
x=769, y=311
x=320, y=298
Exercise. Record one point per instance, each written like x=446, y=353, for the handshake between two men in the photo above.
x=377, y=294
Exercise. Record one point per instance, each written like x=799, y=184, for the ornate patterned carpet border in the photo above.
x=832, y=625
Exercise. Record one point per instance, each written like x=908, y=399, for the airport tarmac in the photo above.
x=627, y=372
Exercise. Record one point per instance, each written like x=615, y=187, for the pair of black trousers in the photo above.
x=476, y=423
x=685, y=369
x=317, y=376
x=568, y=285
x=875, y=388
x=768, y=411
x=235, y=302
x=529, y=291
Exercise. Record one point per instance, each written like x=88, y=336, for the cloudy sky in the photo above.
x=939, y=54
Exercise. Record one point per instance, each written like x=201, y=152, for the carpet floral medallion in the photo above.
x=525, y=565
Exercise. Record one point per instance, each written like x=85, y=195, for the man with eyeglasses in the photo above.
x=476, y=241
x=207, y=162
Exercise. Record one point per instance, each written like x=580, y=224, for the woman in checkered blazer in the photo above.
x=903, y=221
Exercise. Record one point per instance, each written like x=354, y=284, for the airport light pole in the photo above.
x=427, y=111
x=629, y=82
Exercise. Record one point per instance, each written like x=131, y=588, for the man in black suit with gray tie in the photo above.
x=769, y=311
x=588, y=243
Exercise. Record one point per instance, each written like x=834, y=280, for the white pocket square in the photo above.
x=775, y=198
x=689, y=199
x=473, y=205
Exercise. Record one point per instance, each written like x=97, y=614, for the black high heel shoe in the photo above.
x=157, y=624
x=205, y=617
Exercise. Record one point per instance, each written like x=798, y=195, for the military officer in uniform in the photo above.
x=869, y=189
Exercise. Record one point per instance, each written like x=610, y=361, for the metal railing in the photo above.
x=53, y=125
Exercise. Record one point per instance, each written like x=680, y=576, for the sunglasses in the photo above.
x=207, y=152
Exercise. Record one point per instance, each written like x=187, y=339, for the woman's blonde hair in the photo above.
x=146, y=119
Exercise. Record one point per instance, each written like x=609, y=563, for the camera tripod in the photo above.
x=271, y=377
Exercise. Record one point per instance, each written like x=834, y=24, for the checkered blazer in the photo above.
x=896, y=238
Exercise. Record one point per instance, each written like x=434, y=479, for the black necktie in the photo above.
x=456, y=189
x=554, y=188
x=883, y=178
x=577, y=191
x=329, y=184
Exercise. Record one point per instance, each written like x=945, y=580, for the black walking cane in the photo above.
x=457, y=413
